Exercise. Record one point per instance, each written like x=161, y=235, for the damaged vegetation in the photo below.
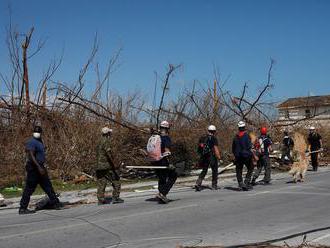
x=72, y=115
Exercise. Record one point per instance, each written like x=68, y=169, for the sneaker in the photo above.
x=163, y=199
x=117, y=200
x=25, y=211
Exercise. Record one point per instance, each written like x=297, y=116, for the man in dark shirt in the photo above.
x=166, y=177
x=209, y=157
x=265, y=146
x=36, y=173
x=315, y=146
x=242, y=150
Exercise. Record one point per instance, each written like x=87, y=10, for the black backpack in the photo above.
x=204, y=148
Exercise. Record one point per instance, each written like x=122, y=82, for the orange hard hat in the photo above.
x=263, y=130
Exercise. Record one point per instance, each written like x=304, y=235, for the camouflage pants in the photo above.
x=103, y=178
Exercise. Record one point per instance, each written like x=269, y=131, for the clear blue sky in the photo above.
x=238, y=36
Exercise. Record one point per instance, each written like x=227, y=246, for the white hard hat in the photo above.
x=241, y=124
x=311, y=128
x=106, y=130
x=165, y=124
x=211, y=128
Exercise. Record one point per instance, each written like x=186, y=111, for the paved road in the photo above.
x=224, y=217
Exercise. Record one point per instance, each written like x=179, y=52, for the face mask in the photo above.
x=37, y=135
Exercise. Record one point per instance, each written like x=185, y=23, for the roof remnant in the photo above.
x=310, y=101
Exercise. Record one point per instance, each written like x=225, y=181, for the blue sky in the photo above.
x=239, y=37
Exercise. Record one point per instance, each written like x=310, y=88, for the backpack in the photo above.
x=262, y=149
x=154, y=148
x=204, y=148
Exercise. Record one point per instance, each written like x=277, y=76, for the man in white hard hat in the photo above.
x=106, y=170
x=209, y=153
x=315, y=146
x=242, y=150
x=166, y=177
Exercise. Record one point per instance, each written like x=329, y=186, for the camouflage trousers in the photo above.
x=103, y=178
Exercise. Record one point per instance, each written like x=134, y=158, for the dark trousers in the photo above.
x=213, y=163
x=315, y=163
x=166, y=177
x=240, y=162
x=264, y=162
x=166, y=180
x=33, y=178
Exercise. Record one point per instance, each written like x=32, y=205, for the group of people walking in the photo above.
x=253, y=154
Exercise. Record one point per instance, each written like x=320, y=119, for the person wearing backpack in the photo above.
x=209, y=156
x=242, y=150
x=265, y=147
x=159, y=153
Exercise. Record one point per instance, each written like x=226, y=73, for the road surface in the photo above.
x=223, y=217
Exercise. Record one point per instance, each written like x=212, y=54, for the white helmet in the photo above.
x=311, y=128
x=212, y=128
x=241, y=124
x=106, y=130
x=165, y=124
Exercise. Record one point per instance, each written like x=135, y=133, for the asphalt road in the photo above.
x=223, y=217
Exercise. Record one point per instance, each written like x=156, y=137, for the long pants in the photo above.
x=264, y=162
x=240, y=162
x=213, y=163
x=166, y=177
x=166, y=180
x=315, y=163
x=286, y=153
x=103, y=178
x=33, y=178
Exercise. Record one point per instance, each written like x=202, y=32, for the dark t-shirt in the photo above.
x=314, y=141
x=165, y=142
x=211, y=141
x=265, y=143
x=38, y=149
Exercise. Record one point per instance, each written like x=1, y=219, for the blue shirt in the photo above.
x=38, y=149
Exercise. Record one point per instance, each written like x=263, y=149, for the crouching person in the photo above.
x=106, y=171
x=36, y=173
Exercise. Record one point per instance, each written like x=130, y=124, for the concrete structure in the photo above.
x=305, y=111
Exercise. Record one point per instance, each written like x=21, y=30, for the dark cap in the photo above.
x=37, y=129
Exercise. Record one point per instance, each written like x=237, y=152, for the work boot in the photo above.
x=198, y=188
x=58, y=206
x=215, y=187
x=25, y=211
x=102, y=202
x=117, y=200
x=242, y=187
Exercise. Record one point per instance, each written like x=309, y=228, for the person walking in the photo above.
x=166, y=177
x=36, y=173
x=242, y=150
x=265, y=147
x=287, y=148
x=209, y=153
x=315, y=146
x=106, y=170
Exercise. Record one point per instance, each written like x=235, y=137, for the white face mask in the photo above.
x=37, y=135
